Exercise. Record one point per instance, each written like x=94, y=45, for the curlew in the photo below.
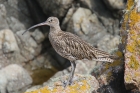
x=71, y=46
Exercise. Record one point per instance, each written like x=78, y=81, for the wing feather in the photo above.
x=73, y=47
x=77, y=47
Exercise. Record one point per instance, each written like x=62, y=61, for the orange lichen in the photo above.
x=131, y=16
x=115, y=63
x=130, y=3
x=109, y=74
x=132, y=44
x=137, y=74
x=133, y=63
x=83, y=87
x=128, y=78
x=119, y=54
x=131, y=47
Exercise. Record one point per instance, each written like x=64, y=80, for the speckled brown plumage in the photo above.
x=71, y=46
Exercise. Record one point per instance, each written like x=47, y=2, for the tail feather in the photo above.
x=107, y=59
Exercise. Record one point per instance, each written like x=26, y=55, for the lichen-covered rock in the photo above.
x=81, y=84
x=130, y=39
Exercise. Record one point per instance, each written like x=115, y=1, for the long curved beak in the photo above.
x=41, y=24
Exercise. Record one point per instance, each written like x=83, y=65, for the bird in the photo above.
x=71, y=46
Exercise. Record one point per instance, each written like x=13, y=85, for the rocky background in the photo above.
x=95, y=21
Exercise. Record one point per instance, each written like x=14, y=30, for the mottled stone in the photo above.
x=132, y=60
x=113, y=4
x=13, y=78
x=55, y=8
x=4, y=61
x=68, y=17
x=27, y=39
x=15, y=24
x=27, y=45
x=107, y=18
x=18, y=14
x=82, y=84
x=86, y=25
x=3, y=22
x=38, y=36
x=10, y=38
x=8, y=41
x=109, y=43
x=85, y=66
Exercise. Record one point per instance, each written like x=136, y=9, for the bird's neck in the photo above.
x=55, y=29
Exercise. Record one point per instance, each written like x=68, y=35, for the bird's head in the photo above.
x=51, y=21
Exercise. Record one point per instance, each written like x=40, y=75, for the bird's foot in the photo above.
x=66, y=83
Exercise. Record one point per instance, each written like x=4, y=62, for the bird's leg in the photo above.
x=73, y=66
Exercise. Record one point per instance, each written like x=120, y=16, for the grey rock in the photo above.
x=18, y=58
x=9, y=43
x=13, y=78
x=41, y=59
x=115, y=4
x=6, y=47
x=15, y=24
x=107, y=18
x=26, y=45
x=4, y=61
x=68, y=17
x=38, y=36
x=34, y=64
x=85, y=67
x=55, y=8
x=19, y=5
x=3, y=22
x=86, y=25
x=34, y=88
x=18, y=10
x=27, y=39
x=57, y=84
x=109, y=43
x=85, y=3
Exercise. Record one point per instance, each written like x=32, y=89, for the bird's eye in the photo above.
x=50, y=20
